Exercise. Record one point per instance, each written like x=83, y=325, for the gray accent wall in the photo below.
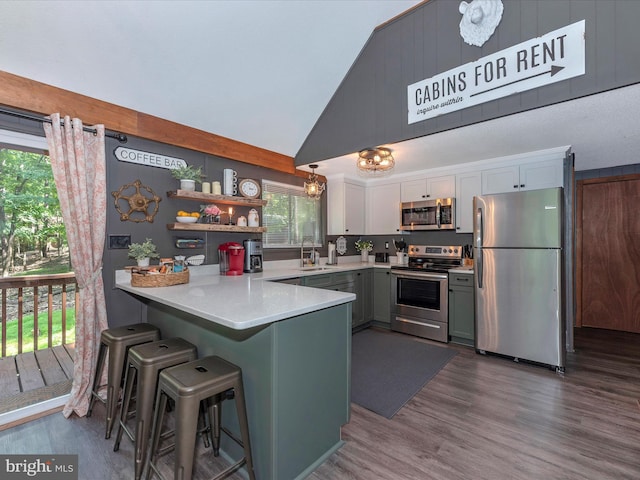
x=369, y=107
x=122, y=308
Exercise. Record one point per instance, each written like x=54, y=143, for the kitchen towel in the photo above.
x=388, y=369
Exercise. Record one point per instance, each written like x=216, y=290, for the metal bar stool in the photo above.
x=188, y=384
x=116, y=341
x=144, y=364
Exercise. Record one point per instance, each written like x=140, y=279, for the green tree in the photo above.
x=29, y=208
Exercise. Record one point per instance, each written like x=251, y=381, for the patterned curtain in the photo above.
x=79, y=170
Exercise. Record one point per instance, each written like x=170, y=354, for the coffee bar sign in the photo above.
x=556, y=56
x=147, y=158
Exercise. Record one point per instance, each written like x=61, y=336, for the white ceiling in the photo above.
x=262, y=71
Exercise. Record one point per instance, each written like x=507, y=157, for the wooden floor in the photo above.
x=33, y=377
x=481, y=417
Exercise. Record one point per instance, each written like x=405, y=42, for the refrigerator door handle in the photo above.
x=479, y=233
x=479, y=267
x=479, y=228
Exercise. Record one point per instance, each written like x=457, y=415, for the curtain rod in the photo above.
x=122, y=138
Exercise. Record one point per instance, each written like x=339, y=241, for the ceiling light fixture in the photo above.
x=313, y=188
x=375, y=161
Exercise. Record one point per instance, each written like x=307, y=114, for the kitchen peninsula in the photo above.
x=293, y=344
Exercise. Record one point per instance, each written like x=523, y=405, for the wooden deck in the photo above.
x=33, y=377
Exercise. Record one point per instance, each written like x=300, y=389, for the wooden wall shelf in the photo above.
x=221, y=199
x=213, y=227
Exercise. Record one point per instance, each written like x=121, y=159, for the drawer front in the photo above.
x=461, y=279
x=318, y=281
x=344, y=277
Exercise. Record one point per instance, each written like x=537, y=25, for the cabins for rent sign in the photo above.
x=554, y=57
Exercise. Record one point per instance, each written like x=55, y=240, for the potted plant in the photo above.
x=142, y=252
x=364, y=247
x=188, y=176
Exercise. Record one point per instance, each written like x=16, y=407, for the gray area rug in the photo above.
x=388, y=370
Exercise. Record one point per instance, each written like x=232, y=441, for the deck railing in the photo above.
x=25, y=295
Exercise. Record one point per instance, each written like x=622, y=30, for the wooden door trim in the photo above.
x=578, y=231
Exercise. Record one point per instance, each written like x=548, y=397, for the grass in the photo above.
x=46, y=270
x=43, y=341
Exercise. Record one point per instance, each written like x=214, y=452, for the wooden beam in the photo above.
x=32, y=96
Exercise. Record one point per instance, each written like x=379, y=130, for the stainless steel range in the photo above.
x=420, y=291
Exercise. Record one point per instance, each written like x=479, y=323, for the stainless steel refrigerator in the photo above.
x=519, y=275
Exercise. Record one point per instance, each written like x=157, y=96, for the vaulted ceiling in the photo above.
x=256, y=71
x=262, y=71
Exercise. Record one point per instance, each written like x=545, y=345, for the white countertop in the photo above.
x=244, y=301
x=248, y=300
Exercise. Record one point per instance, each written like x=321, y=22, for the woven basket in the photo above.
x=159, y=279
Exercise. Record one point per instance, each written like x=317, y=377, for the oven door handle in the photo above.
x=422, y=276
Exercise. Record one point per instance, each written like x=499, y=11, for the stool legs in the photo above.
x=161, y=405
x=102, y=354
x=186, y=426
x=215, y=414
x=117, y=355
x=244, y=427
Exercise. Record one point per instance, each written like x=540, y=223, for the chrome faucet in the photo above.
x=311, y=259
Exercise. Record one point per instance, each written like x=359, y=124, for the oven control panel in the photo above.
x=450, y=251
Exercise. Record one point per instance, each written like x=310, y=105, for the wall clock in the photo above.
x=249, y=188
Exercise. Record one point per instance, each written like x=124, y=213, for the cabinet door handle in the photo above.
x=522, y=185
x=515, y=186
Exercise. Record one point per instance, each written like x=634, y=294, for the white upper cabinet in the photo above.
x=383, y=209
x=428, y=188
x=468, y=185
x=345, y=208
x=527, y=176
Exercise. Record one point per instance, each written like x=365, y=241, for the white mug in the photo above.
x=242, y=221
x=230, y=179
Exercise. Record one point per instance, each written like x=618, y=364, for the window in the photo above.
x=31, y=229
x=289, y=216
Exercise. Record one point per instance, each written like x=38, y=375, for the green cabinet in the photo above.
x=461, y=308
x=354, y=281
x=290, y=281
x=382, y=296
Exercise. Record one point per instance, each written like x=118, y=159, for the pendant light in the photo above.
x=313, y=188
x=375, y=161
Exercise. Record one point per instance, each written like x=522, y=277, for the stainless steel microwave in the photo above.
x=436, y=214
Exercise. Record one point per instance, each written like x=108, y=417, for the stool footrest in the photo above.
x=229, y=470
x=231, y=436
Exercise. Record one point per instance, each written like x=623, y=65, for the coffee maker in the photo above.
x=231, y=258
x=252, y=256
